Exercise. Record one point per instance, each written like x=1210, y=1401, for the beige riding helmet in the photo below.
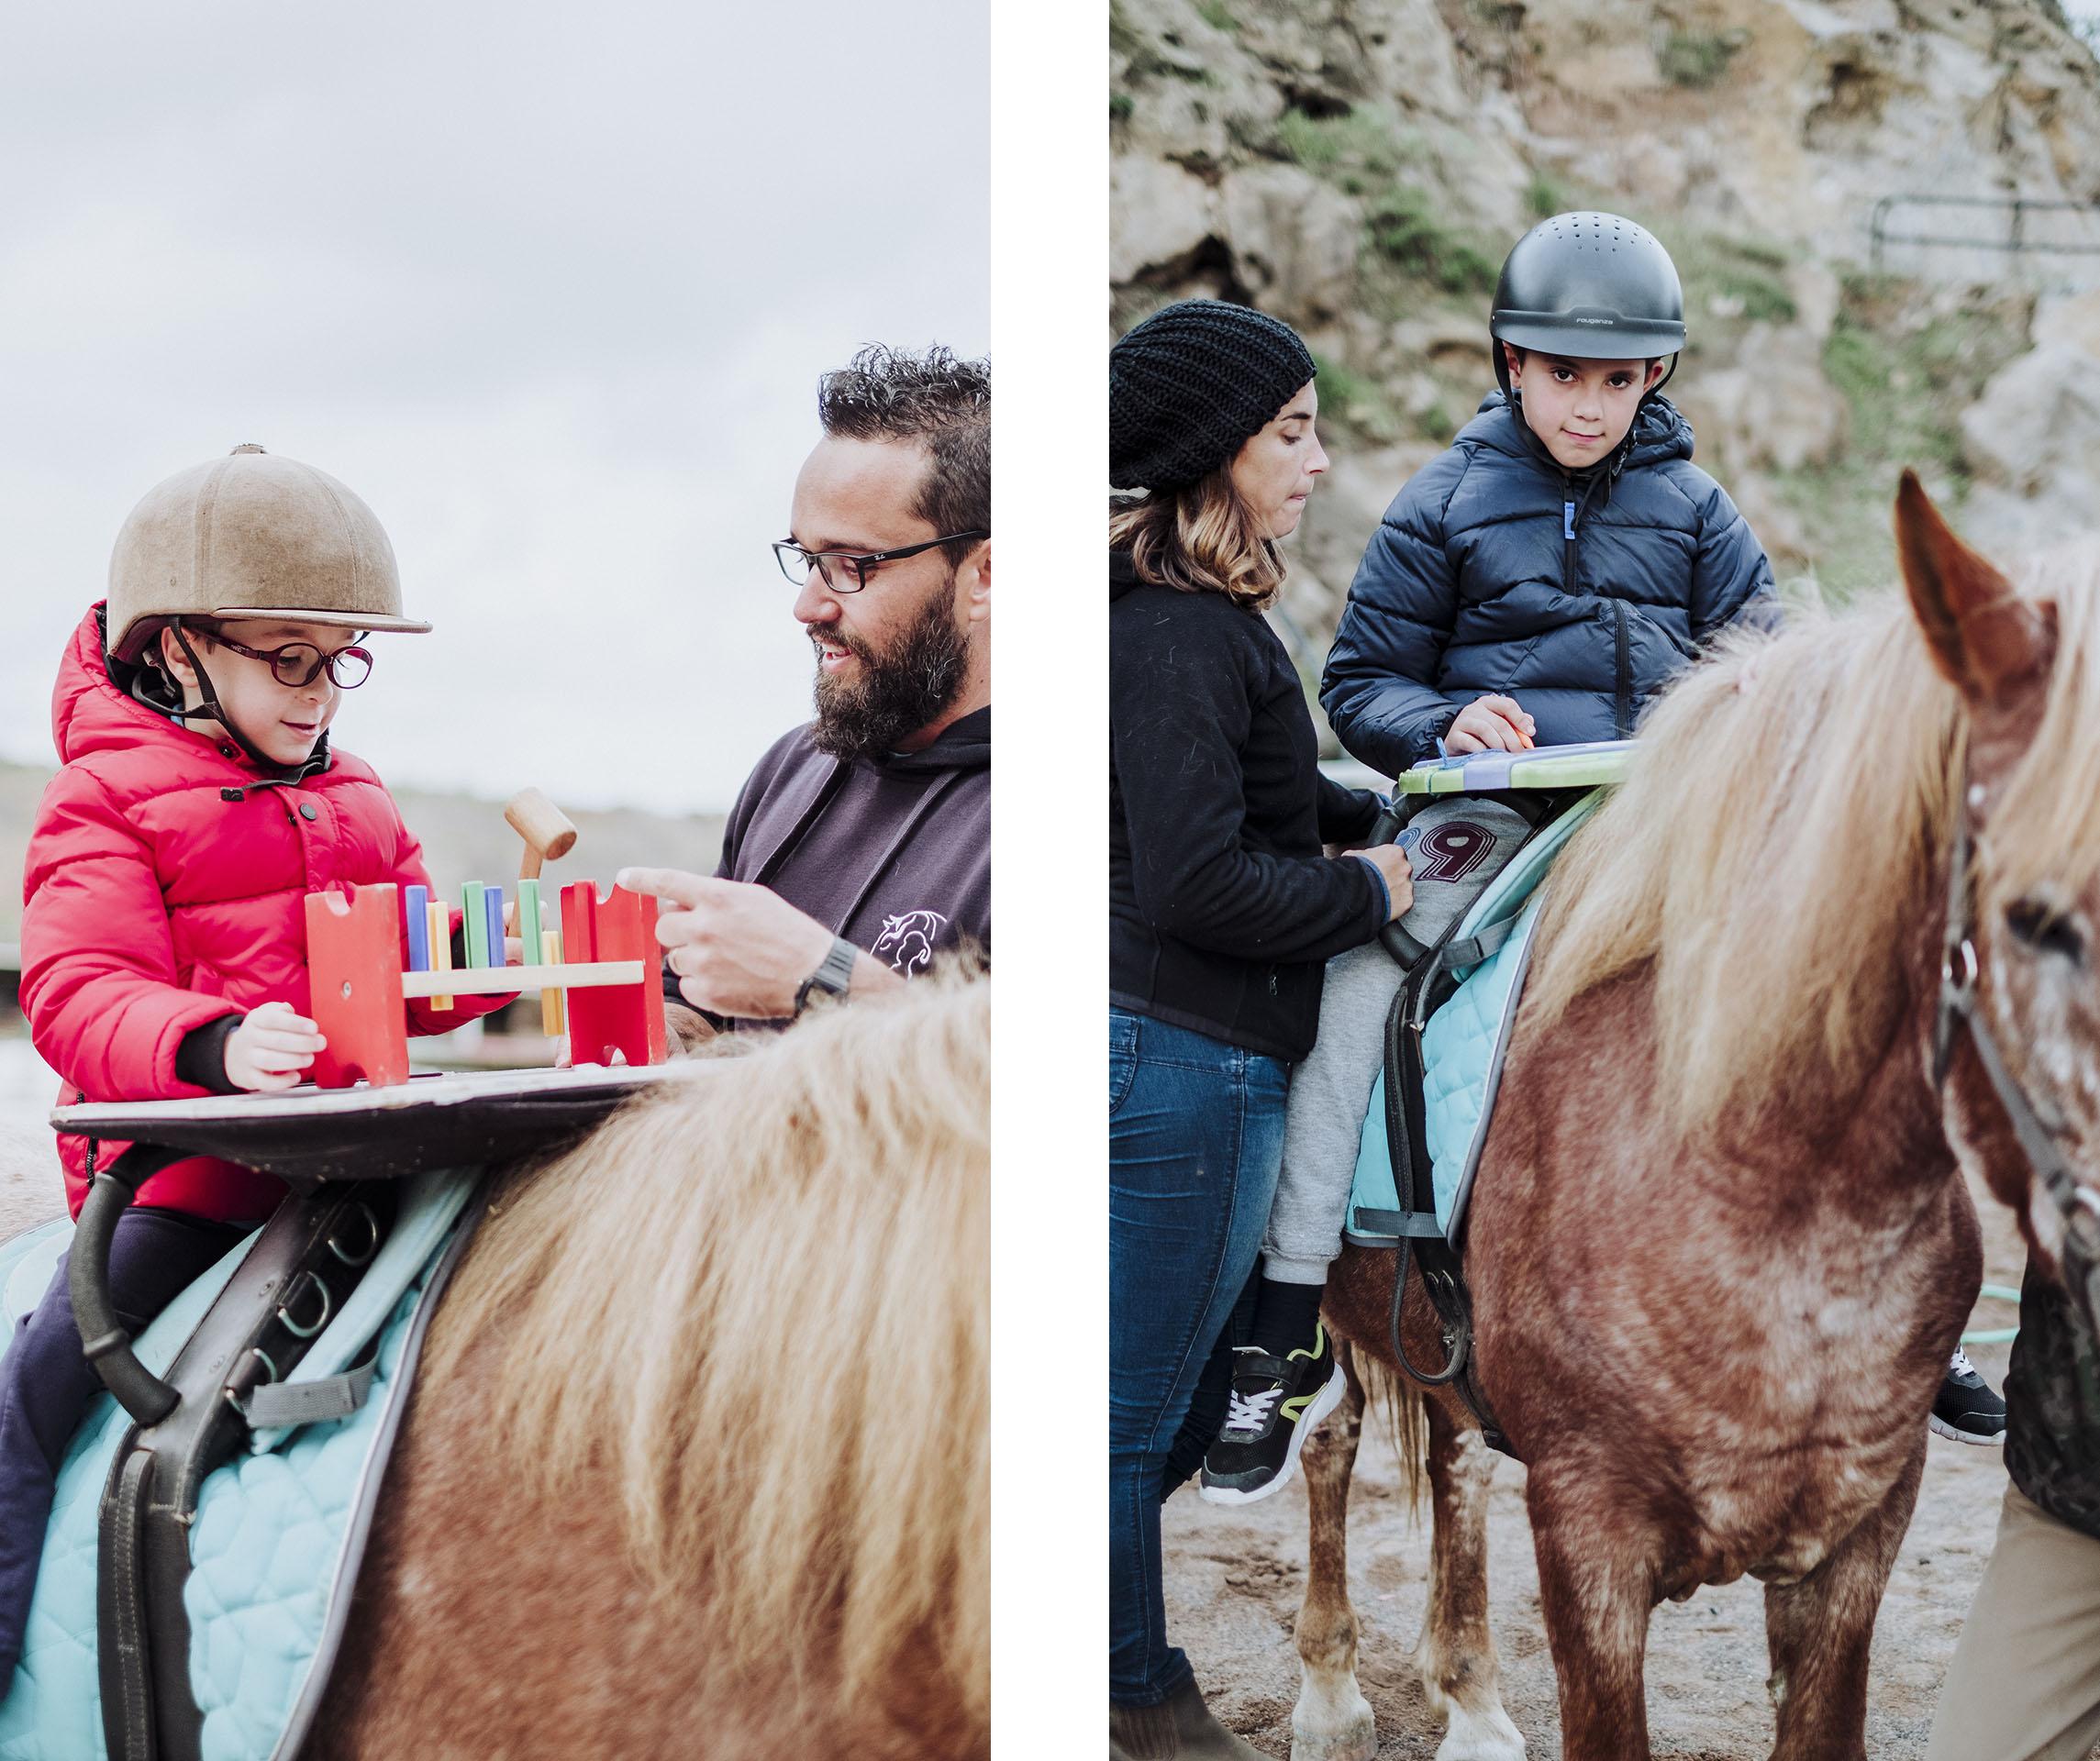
x=251, y=535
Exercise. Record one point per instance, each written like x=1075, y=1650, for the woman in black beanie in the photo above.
x=1222, y=913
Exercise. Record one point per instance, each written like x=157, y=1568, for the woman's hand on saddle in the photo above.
x=272, y=1050
x=1391, y=862
x=1491, y=723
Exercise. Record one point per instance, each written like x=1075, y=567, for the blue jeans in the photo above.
x=47, y=1385
x=1196, y=1138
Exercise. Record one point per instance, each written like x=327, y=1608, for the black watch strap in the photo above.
x=834, y=975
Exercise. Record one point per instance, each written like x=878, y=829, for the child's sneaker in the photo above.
x=1275, y=1403
x=1966, y=1410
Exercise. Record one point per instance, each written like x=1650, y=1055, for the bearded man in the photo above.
x=860, y=846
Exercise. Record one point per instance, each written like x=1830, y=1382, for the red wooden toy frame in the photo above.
x=356, y=946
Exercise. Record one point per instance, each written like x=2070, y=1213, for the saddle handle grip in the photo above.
x=1398, y=943
x=107, y=1346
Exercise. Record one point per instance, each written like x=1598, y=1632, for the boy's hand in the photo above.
x=1491, y=724
x=272, y=1050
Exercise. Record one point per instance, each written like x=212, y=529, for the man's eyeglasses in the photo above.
x=847, y=572
x=300, y=663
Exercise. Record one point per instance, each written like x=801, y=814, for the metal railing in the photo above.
x=2017, y=240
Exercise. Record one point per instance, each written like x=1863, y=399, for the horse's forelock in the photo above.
x=2045, y=817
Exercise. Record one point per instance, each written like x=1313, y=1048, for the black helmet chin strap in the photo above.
x=210, y=708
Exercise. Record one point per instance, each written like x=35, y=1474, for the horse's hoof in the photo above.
x=1481, y=1736
x=1354, y=1737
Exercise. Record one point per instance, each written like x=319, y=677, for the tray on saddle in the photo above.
x=307, y=1136
x=1544, y=767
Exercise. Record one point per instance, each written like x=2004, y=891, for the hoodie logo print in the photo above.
x=907, y=940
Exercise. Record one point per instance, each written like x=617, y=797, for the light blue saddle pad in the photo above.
x=1462, y=1047
x=275, y=1527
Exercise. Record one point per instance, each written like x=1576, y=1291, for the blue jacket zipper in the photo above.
x=1622, y=725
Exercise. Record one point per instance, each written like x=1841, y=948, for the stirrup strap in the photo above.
x=326, y=1398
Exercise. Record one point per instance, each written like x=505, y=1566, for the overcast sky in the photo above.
x=550, y=287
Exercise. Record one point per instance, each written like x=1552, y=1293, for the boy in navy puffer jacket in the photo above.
x=1550, y=574
x=1537, y=583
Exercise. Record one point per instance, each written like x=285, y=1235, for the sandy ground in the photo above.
x=1234, y=1583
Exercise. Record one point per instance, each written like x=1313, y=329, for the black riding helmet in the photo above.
x=1591, y=286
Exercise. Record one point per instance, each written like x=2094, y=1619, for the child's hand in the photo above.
x=272, y=1050
x=513, y=951
x=1493, y=724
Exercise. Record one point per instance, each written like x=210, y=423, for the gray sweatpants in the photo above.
x=1323, y=1125
x=1455, y=846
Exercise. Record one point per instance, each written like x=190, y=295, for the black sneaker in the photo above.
x=1275, y=1403
x=1966, y=1410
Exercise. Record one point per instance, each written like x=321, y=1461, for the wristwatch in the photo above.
x=833, y=976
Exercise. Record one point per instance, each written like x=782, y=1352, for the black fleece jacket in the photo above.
x=1222, y=911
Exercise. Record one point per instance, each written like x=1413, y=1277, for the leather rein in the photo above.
x=2036, y=1124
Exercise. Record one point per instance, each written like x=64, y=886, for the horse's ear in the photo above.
x=1987, y=638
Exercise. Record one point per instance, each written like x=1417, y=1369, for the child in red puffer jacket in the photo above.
x=164, y=922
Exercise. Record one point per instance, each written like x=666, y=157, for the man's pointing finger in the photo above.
x=674, y=884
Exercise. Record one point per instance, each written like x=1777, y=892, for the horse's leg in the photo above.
x=1455, y=1655
x=1333, y=1720
x=1819, y=1631
x=1596, y=1587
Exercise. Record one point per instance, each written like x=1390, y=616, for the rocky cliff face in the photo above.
x=1359, y=167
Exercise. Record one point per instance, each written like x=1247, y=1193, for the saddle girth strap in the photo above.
x=253, y=1334
x=1441, y=1268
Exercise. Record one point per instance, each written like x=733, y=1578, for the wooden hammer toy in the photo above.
x=548, y=835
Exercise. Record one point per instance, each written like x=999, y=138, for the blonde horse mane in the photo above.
x=1785, y=820
x=758, y=1302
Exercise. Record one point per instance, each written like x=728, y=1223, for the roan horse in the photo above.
x=1718, y=1249
x=698, y=1459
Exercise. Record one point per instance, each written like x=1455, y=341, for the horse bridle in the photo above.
x=2036, y=1124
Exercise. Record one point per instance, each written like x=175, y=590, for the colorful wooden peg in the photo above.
x=529, y=924
x=476, y=923
x=492, y=926
x=553, y=1018
x=440, y=939
x=415, y=911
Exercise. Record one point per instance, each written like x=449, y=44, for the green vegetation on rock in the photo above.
x=1406, y=232
x=1697, y=59
x=1144, y=60
x=1730, y=280
x=1906, y=364
x=1545, y=197
x=1350, y=401
x=1357, y=150
x=1902, y=372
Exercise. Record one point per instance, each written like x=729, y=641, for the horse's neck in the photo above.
x=1875, y=1148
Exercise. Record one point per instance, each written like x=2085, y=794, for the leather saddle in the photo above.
x=341, y=1153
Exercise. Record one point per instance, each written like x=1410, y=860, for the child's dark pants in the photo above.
x=47, y=1385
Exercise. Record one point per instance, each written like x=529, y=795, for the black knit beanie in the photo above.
x=1190, y=385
